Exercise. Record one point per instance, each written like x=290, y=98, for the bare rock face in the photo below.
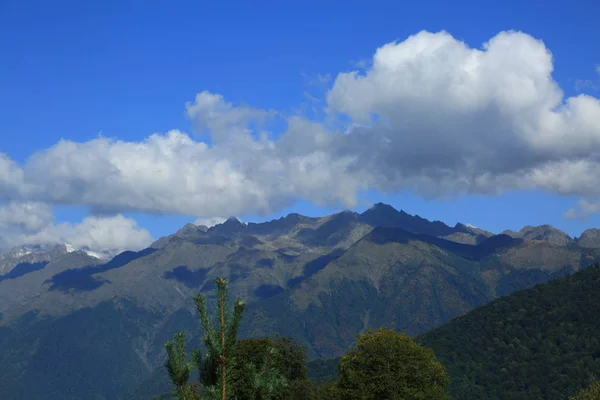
x=589, y=238
x=30, y=254
x=188, y=231
x=545, y=233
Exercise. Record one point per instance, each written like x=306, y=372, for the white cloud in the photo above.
x=223, y=121
x=429, y=114
x=28, y=217
x=174, y=173
x=452, y=119
x=11, y=177
x=584, y=209
x=209, y=222
x=465, y=119
x=583, y=84
x=33, y=223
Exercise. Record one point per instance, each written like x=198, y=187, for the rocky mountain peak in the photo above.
x=231, y=226
x=31, y=254
x=386, y=216
x=232, y=220
x=545, y=232
x=279, y=226
x=589, y=238
x=381, y=207
x=189, y=227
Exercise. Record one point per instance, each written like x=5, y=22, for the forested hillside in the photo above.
x=540, y=343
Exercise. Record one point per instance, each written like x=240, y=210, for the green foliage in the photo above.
x=538, y=343
x=326, y=391
x=389, y=365
x=178, y=368
x=215, y=368
x=259, y=370
x=264, y=362
x=87, y=354
x=219, y=340
x=323, y=371
x=266, y=381
x=590, y=393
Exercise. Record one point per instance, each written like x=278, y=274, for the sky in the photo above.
x=123, y=120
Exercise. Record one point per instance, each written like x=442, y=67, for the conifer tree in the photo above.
x=178, y=368
x=218, y=364
x=267, y=380
x=269, y=368
x=220, y=341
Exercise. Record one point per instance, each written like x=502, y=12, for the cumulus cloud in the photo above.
x=173, y=173
x=11, y=177
x=209, y=222
x=430, y=114
x=222, y=119
x=28, y=217
x=33, y=223
x=452, y=118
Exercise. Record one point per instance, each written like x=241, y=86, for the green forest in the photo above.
x=543, y=342
x=383, y=365
x=540, y=343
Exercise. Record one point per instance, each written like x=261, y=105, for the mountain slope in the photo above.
x=317, y=280
x=546, y=233
x=538, y=343
x=31, y=254
x=18, y=294
x=386, y=216
x=90, y=353
x=467, y=234
x=407, y=282
x=589, y=238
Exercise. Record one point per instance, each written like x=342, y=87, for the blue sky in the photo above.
x=126, y=69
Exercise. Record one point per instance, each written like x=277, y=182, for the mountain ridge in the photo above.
x=302, y=246
x=319, y=280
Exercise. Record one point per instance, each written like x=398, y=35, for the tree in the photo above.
x=389, y=365
x=270, y=368
x=220, y=343
x=266, y=380
x=591, y=393
x=179, y=368
x=215, y=368
x=326, y=391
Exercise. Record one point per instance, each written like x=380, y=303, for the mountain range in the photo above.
x=538, y=343
x=318, y=280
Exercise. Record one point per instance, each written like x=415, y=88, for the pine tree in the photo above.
x=269, y=368
x=216, y=366
x=267, y=380
x=178, y=368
